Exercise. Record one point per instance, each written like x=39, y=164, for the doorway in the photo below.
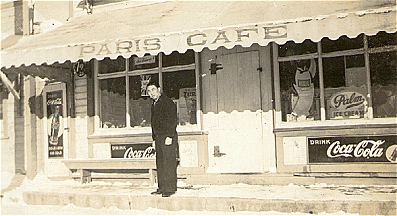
x=239, y=133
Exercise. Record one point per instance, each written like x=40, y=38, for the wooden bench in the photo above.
x=85, y=166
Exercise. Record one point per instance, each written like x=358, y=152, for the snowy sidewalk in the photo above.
x=317, y=198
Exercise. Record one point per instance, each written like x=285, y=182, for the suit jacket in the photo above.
x=163, y=117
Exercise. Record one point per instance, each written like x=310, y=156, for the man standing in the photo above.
x=165, y=140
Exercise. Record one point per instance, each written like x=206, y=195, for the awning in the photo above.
x=182, y=25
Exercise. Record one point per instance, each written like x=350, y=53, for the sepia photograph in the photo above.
x=198, y=107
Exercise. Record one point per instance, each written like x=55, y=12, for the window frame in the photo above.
x=127, y=73
x=365, y=50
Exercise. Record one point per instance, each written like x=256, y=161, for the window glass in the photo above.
x=113, y=102
x=140, y=103
x=291, y=48
x=180, y=86
x=345, y=87
x=345, y=79
x=384, y=84
x=176, y=58
x=179, y=83
x=299, y=90
x=108, y=65
x=343, y=43
x=382, y=39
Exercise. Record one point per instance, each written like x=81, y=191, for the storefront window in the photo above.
x=299, y=90
x=112, y=94
x=299, y=82
x=108, y=65
x=345, y=87
x=140, y=103
x=181, y=87
x=344, y=84
x=343, y=43
x=384, y=84
x=177, y=74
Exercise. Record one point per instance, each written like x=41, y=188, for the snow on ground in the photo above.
x=13, y=204
x=6, y=178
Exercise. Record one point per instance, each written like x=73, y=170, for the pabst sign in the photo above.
x=347, y=104
x=352, y=149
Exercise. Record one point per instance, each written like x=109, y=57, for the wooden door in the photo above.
x=239, y=133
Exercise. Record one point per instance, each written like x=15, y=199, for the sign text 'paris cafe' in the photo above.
x=189, y=40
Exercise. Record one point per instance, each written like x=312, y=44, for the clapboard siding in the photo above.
x=80, y=92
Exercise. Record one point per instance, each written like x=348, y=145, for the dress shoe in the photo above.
x=167, y=194
x=155, y=192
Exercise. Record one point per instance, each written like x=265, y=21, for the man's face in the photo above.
x=154, y=92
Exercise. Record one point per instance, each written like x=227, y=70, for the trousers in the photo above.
x=167, y=163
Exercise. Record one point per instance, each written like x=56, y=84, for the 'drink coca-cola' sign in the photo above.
x=353, y=149
x=139, y=150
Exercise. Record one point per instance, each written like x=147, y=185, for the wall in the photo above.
x=8, y=140
x=79, y=124
x=292, y=152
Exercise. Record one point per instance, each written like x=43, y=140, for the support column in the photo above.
x=30, y=127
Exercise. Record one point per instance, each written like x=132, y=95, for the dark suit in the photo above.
x=164, y=122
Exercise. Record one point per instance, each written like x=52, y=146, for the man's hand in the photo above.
x=168, y=141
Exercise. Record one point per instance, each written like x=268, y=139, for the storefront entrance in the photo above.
x=239, y=133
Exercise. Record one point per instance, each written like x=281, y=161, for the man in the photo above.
x=165, y=140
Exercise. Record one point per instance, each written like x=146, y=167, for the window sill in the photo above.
x=336, y=124
x=141, y=131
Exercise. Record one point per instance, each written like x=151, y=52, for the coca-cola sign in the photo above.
x=353, y=149
x=139, y=150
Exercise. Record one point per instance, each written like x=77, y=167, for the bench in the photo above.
x=85, y=166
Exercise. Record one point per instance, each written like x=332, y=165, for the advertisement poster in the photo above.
x=349, y=103
x=145, y=80
x=55, y=124
x=353, y=149
x=139, y=150
x=187, y=106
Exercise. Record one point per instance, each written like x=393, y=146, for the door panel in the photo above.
x=238, y=83
x=239, y=131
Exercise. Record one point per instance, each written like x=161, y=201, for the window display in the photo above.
x=340, y=84
x=122, y=90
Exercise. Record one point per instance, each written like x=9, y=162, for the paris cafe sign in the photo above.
x=183, y=41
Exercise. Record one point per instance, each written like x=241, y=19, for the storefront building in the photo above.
x=284, y=87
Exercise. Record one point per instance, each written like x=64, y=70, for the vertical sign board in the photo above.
x=139, y=150
x=353, y=149
x=54, y=115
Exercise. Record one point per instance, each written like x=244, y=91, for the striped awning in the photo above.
x=181, y=25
